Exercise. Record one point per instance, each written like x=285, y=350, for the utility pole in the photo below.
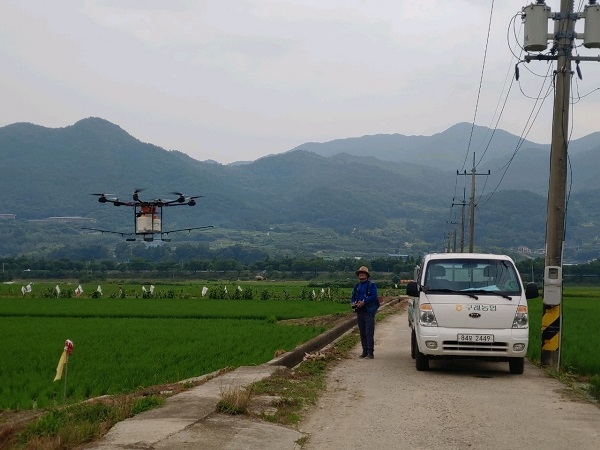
x=462, y=222
x=454, y=239
x=555, y=228
x=472, y=203
x=451, y=238
x=535, y=18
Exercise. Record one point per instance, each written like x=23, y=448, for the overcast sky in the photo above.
x=233, y=80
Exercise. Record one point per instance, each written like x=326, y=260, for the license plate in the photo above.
x=475, y=338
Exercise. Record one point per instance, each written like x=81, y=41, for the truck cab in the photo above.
x=469, y=305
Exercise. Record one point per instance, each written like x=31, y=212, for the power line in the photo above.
x=495, y=127
x=526, y=129
x=480, y=84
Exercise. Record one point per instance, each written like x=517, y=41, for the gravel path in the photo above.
x=386, y=404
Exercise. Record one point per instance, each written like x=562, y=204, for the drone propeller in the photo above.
x=136, y=197
x=191, y=201
x=102, y=197
x=181, y=197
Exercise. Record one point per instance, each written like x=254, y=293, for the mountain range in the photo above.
x=368, y=196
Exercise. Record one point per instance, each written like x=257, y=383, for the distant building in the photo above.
x=524, y=249
x=8, y=216
x=65, y=219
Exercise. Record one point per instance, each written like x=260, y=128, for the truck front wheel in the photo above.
x=413, y=345
x=421, y=361
x=516, y=365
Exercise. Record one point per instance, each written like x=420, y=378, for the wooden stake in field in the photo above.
x=62, y=366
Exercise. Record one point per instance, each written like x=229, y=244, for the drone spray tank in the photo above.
x=148, y=220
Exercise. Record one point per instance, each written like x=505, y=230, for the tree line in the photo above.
x=269, y=268
x=390, y=269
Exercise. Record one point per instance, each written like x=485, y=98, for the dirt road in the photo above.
x=386, y=404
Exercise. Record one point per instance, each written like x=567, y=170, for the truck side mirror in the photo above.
x=531, y=290
x=412, y=289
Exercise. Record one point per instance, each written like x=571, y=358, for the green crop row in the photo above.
x=580, y=340
x=202, y=308
x=117, y=354
x=245, y=290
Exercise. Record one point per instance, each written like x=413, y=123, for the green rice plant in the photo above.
x=166, y=308
x=579, y=343
x=535, y=327
x=595, y=386
x=117, y=355
x=183, y=290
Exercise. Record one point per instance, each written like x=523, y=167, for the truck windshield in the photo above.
x=465, y=275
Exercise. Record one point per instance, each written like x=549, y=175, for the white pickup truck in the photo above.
x=469, y=305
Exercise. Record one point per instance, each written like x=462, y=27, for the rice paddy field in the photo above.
x=127, y=337
x=127, y=342
x=580, y=345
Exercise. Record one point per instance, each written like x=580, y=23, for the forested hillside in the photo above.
x=297, y=202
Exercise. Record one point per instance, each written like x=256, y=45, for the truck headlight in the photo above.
x=521, y=319
x=427, y=316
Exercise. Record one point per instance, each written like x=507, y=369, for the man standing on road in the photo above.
x=364, y=301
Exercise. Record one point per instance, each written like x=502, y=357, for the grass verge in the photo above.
x=69, y=427
x=587, y=387
x=583, y=386
x=296, y=389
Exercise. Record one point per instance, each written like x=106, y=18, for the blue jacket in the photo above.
x=360, y=293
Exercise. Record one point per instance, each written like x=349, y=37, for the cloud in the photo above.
x=244, y=78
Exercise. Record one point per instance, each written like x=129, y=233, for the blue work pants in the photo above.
x=366, y=327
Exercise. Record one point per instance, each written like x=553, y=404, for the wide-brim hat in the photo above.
x=363, y=269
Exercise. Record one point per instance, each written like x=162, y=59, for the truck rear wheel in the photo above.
x=516, y=365
x=421, y=361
